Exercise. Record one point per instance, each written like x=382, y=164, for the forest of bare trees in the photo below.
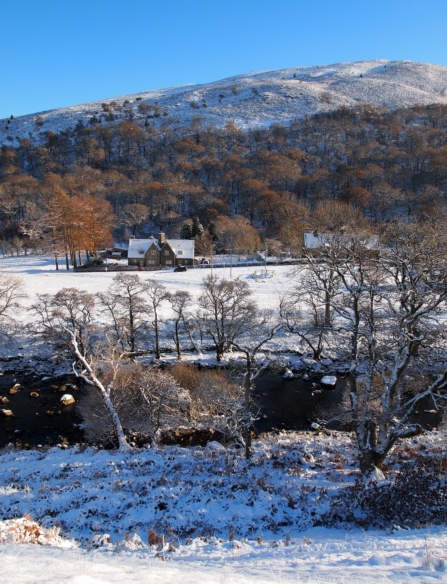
x=72, y=193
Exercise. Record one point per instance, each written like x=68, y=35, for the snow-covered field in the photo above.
x=258, y=99
x=40, y=277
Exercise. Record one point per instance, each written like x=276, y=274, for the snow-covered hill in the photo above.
x=254, y=99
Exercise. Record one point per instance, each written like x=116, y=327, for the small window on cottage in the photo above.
x=152, y=251
x=141, y=251
x=166, y=252
x=168, y=262
x=180, y=252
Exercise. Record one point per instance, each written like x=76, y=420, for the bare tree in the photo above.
x=69, y=315
x=149, y=400
x=414, y=265
x=156, y=294
x=387, y=305
x=180, y=301
x=227, y=311
x=262, y=331
x=134, y=215
x=10, y=303
x=125, y=303
x=304, y=311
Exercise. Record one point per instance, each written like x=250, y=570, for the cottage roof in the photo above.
x=184, y=246
x=314, y=241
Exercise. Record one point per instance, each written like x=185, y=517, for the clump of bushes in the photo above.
x=415, y=497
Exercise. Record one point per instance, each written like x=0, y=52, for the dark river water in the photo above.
x=39, y=420
x=284, y=404
x=289, y=404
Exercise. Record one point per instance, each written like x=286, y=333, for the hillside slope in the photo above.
x=254, y=99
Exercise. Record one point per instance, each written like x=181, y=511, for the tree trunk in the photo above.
x=247, y=384
x=123, y=445
x=157, y=340
x=177, y=341
x=370, y=460
x=369, y=457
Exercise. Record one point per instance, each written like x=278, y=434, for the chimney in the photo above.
x=161, y=238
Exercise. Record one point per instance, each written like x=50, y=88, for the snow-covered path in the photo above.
x=318, y=556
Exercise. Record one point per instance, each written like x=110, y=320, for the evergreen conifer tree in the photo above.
x=197, y=228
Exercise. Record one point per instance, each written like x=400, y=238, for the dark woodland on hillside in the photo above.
x=249, y=189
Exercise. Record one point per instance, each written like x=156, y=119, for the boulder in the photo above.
x=15, y=389
x=328, y=381
x=67, y=399
x=214, y=445
x=7, y=413
x=34, y=394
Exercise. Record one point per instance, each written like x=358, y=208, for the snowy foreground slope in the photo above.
x=243, y=527
x=255, y=99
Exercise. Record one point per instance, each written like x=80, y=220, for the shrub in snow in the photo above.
x=130, y=543
x=417, y=496
x=25, y=530
x=147, y=401
x=101, y=540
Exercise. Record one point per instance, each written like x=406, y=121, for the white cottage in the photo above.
x=161, y=252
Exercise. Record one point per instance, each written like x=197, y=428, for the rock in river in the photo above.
x=67, y=399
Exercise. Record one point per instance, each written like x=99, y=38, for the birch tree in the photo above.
x=388, y=307
x=156, y=294
x=11, y=295
x=69, y=315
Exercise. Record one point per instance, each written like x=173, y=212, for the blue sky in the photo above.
x=58, y=53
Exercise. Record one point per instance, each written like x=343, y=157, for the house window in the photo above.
x=180, y=252
x=151, y=262
x=153, y=252
x=141, y=251
x=166, y=252
x=168, y=262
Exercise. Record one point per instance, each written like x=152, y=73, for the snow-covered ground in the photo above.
x=242, y=525
x=40, y=277
x=257, y=99
x=317, y=556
